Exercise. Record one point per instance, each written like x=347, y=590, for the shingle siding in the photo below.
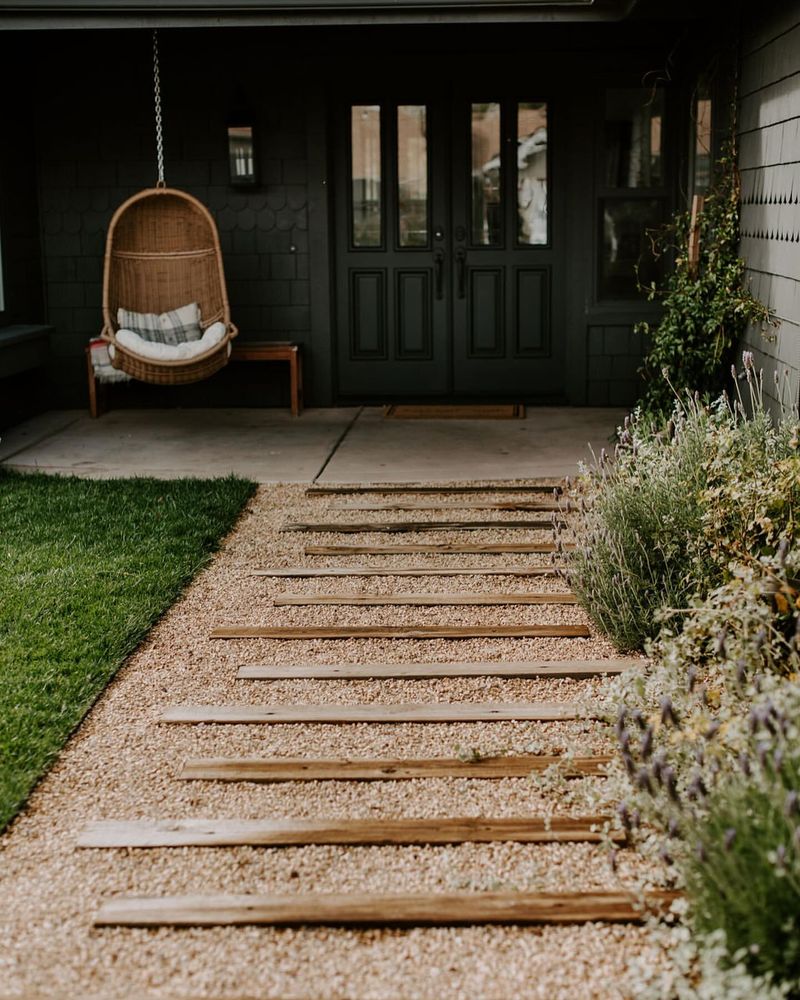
x=769, y=161
x=96, y=148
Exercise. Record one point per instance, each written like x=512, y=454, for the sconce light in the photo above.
x=242, y=155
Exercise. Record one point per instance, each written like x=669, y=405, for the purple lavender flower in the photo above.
x=668, y=713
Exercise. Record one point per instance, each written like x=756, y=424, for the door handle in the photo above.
x=438, y=270
x=461, y=263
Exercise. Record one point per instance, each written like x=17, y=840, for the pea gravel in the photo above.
x=122, y=764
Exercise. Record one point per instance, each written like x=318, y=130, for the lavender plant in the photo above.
x=709, y=744
x=666, y=517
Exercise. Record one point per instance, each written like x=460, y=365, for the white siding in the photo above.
x=769, y=160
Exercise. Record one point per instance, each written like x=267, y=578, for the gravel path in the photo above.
x=122, y=764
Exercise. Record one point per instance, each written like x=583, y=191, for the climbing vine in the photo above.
x=706, y=303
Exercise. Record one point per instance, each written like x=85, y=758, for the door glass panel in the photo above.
x=633, y=120
x=532, y=173
x=365, y=160
x=486, y=211
x=412, y=175
x=625, y=222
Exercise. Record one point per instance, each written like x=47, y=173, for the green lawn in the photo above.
x=85, y=569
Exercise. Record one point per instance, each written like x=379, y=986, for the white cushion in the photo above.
x=177, y=326
x=132, y=342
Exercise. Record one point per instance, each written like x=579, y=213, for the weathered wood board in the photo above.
x=575, y=669
x=400, y=632
x=434, y=548
x=401, y=505
x=341, y=714
x=541, y=486
x=274, y=769
x=421, y=600
x=311, y=572
x=428, y=909
x=290, y=832
x=401, y=527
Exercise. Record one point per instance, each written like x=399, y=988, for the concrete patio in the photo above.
x=344, y=445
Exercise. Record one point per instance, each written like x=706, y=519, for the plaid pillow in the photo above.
x=178, y=326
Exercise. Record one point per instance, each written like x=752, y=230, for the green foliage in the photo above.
x=707, y=307
x=87, y=568
x=709, y=766
x=639, y=528
x=743, y=876
x=710, y=746
x=665, y=519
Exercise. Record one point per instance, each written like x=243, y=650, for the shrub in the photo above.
x=710, y=753
x=639, y=523
x=667, y=516
x=743, y=874
x=706, y=306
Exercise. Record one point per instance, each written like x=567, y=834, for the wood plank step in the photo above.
x=292, y=832
x=408, y=910
x=387, y=713
x=421, y=600
x=524, y=668
x=400, y=505
x=310, y=572
x=434, y=548
x=400, y=632
x=399, y=527
x=275, y=769
x=542, y=486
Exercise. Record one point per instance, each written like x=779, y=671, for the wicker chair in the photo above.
x=162, y=252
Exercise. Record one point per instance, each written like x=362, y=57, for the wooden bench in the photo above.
x=253, y=350
x=23, y=347
x=275, y=350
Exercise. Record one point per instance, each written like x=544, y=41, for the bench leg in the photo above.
x=296, y=378
x=97, y=392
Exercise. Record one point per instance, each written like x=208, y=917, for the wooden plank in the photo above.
x=339, y=714
x=359, y=909
x=526, y=668
x=293, y=832
x=274, y=769
x=400, y=505
x=433, y=548
x=421, y=600
x=398, y=527
x=309, y=572
x=394, y=489
x=401, y=632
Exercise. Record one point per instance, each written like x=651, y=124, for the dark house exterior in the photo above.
x=442, y=200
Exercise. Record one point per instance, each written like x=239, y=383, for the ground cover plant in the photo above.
x=663, y=519
x=708, y=771
x=87, y=567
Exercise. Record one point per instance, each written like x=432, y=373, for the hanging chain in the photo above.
x=159, y=128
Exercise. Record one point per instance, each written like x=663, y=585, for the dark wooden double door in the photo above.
x=446, y=251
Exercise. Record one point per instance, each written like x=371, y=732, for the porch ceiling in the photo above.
x=142, y=13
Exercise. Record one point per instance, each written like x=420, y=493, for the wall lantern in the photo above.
x=242, y=155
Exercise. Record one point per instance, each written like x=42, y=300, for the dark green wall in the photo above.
x=91, y=131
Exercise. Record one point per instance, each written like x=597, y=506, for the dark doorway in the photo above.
x=445, y=249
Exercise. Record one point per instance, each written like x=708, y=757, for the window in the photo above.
x=365, y=152
x=702, y=140
x=633, y=195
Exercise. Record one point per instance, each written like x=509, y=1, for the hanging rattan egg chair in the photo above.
x=163, y=251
